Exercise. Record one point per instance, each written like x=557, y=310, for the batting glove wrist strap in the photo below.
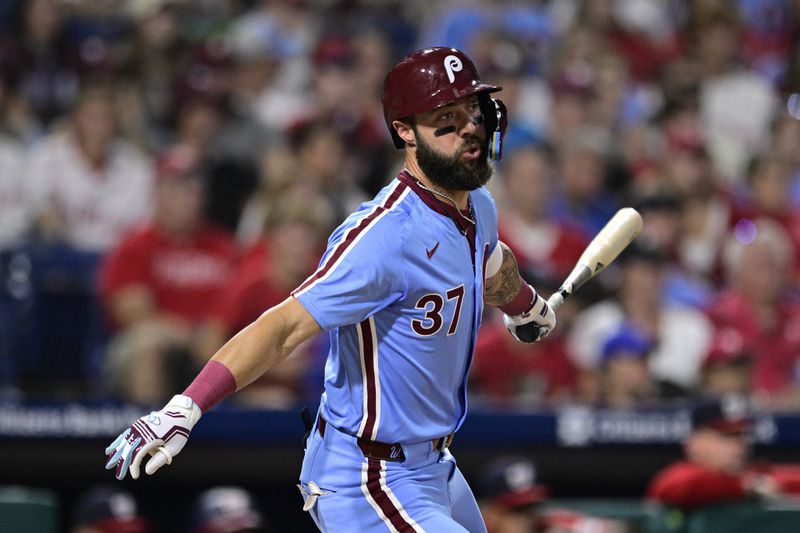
x=535, y=323
x=161, y=434
x=521, y=303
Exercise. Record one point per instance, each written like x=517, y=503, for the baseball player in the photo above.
x=400, y=290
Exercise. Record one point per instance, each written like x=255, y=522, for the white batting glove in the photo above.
x=534, y=324
x=162, y=434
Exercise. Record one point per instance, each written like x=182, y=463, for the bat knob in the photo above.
x=528, y=332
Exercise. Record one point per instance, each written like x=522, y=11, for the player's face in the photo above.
x=731, y=452
x=719, y=451
x=450, y=147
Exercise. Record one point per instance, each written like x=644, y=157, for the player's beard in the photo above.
x=452, y=173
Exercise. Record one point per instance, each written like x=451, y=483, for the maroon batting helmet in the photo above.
x=426, y=80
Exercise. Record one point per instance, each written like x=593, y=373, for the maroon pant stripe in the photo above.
x=382, y=499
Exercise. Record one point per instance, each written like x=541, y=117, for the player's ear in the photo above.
x=405, y=131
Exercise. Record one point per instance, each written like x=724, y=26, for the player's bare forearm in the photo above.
x=504, y=285
x=267, y=341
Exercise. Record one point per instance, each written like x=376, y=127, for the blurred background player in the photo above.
x=105, y=509
x=513, y=501
x=718, y=465
x=509, y=496
x=227, y=509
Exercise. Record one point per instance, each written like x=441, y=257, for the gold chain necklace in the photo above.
x=443, y=195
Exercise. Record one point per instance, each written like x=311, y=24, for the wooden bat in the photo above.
x=618, y=233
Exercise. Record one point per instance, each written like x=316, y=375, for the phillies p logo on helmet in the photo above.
x=425, y=80
x=417, y=83
x=452, y=64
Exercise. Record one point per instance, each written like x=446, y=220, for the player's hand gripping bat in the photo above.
x=618, y=233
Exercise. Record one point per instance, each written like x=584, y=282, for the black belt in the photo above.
x=384, y=450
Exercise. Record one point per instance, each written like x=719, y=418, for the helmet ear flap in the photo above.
x=495, y=119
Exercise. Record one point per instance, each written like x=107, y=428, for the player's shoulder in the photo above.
x=482, y=196
x=390, y=207
x=379, y=220
x=485, y=208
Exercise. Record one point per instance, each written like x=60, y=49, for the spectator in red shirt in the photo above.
x=508, y=372
x=289, y=252
x=770, y=196
x=158, y=284
x=718, y=466
x=760, y=307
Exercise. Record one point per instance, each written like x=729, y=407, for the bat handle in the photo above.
x=555, y=301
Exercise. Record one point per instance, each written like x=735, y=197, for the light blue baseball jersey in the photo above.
x=400, y=289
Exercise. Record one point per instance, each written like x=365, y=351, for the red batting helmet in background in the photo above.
x=426, y=80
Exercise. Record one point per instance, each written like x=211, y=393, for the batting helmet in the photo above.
x=426, y=80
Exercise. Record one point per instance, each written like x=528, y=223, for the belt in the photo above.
x=384, y=450
x=443, y=442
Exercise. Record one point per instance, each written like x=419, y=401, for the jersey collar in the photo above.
x=434, y=203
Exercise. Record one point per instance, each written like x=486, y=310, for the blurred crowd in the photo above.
x=169, y=169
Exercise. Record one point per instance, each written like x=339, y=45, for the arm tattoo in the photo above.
x=501, y=288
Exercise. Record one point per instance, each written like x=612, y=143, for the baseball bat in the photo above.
x=618, y=233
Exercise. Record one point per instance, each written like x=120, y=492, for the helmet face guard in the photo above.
x=434, y=77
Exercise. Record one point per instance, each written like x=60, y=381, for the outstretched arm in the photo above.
x=527, y=316
x=254, y=350
x=267, y=341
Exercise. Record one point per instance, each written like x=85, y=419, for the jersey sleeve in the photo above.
x=360, y=273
